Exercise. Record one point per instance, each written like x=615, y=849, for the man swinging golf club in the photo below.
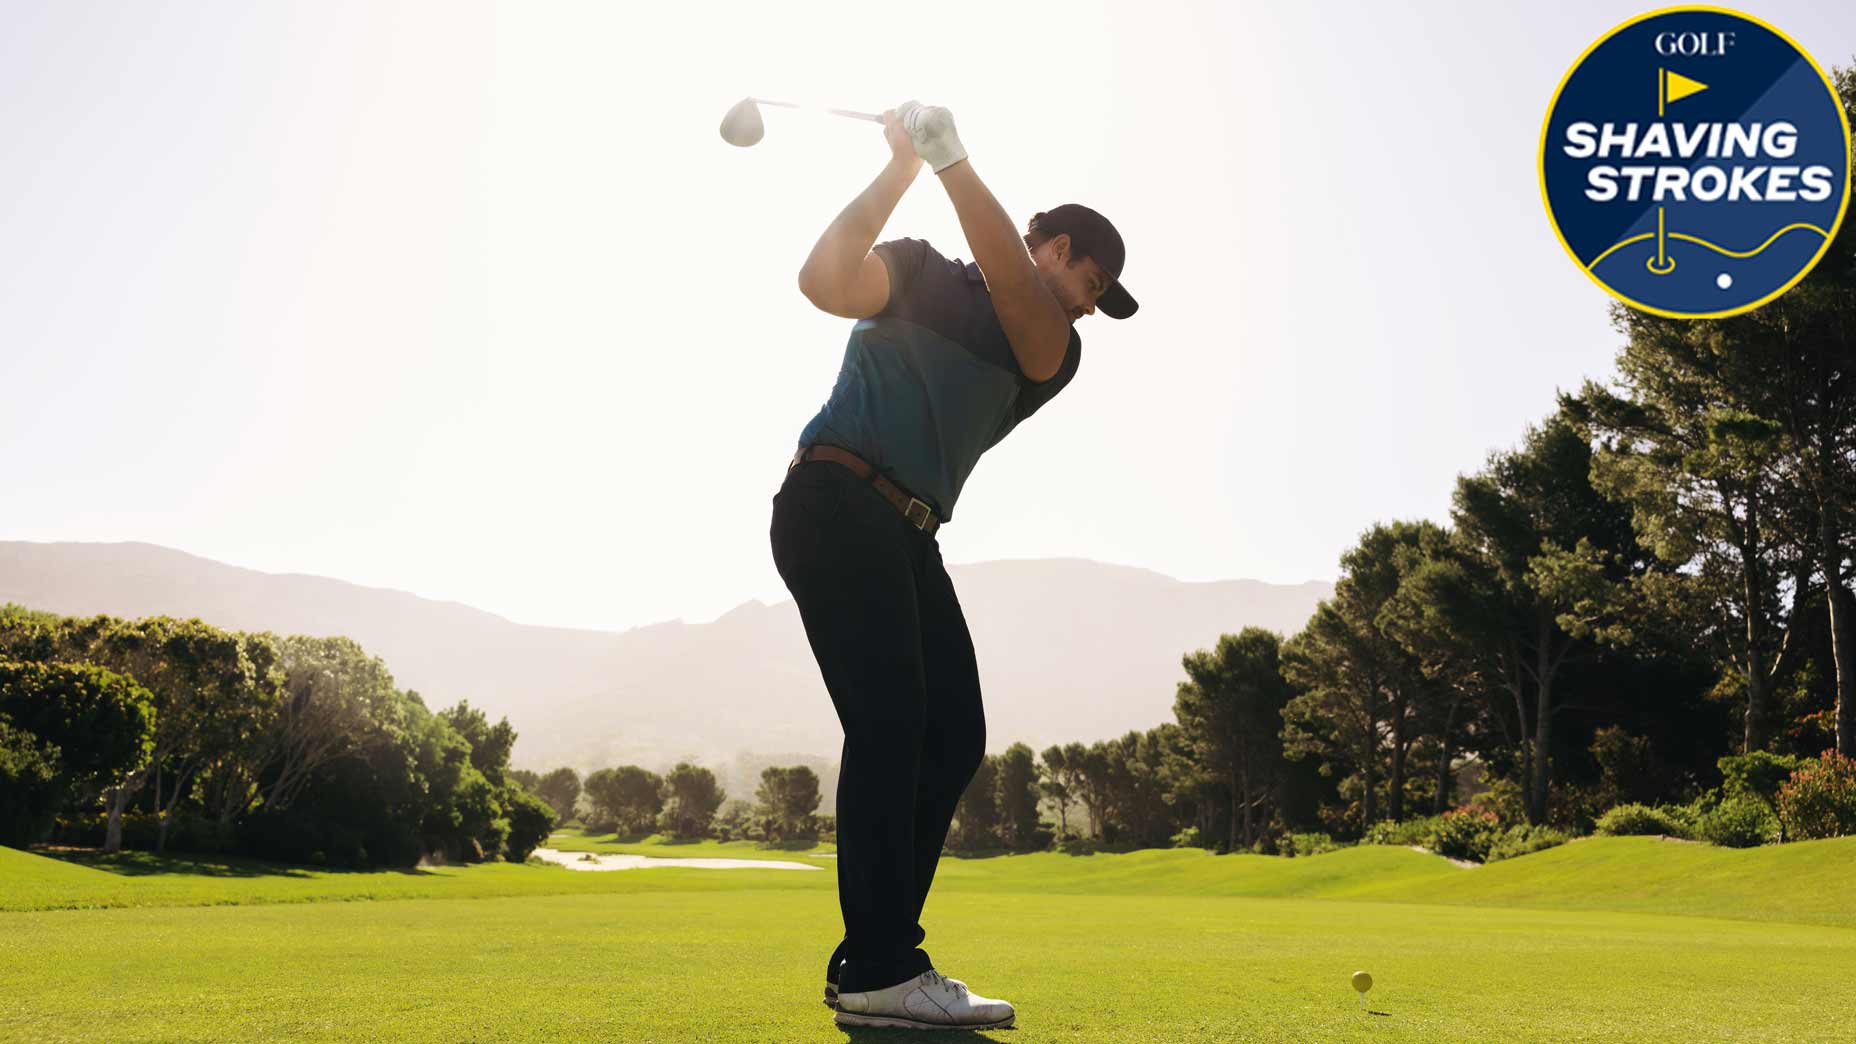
x=945, y=359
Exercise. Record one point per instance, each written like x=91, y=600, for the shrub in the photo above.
x=1634, y=819
x=1522, y=839
x=29, y=771
x=1402, y=832
x=1820, y=799
x=1758, y=775
x=531, y=820
x=1190, y=837
x=1309, y=844
x=1464, y=834
x=1741, y=821
x=1503, y=798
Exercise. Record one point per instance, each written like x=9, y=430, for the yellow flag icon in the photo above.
x=1675, y=88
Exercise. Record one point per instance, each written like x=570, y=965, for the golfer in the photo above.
x=945, y=359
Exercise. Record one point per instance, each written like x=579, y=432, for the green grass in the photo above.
x=1809, y=882
x=1613, y=939
x=35, y=882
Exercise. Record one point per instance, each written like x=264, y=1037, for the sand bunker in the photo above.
x=591, y=861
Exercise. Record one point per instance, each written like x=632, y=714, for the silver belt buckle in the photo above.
x=909, y=514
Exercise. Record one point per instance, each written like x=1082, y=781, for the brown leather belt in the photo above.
x=913, y=508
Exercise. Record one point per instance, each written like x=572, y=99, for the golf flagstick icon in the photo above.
x=1670, y=87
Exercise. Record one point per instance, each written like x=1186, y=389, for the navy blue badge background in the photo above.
x=1761, y=79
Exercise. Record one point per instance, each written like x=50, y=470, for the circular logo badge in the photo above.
x=1695, y=162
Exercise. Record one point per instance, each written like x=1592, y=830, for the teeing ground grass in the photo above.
x=1607, y=939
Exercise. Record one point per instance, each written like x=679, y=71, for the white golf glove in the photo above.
x=931, y=128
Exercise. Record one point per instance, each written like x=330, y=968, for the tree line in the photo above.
x=292, y=748
x=685, y=802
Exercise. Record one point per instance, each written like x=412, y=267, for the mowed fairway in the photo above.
x=1155, y=946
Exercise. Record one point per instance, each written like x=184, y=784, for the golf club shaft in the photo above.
x=872, y=117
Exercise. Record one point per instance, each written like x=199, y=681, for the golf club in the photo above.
x=742, y=126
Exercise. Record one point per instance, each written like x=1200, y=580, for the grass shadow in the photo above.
x=151, y=864
x=795, y=845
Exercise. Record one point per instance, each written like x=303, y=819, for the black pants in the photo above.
x=892, y=645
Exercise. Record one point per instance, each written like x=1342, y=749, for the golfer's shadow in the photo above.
x=879, y=1034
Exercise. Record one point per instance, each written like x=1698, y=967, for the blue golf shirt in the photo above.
x=930, y=382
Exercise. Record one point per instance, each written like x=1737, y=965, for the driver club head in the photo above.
x=742, y=126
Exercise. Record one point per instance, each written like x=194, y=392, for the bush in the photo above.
x=1522, y=839
x=1308, y=844
x=1742, y=821
x=1758, y=775
x=531, y=820
x=1464, y=834
x=29, y=771
x=1191, y=837
x=1403, y=832
x=1638, y=820
x=1820, y=799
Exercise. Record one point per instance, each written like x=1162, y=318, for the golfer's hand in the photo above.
x=931, y=128
x=902, y=150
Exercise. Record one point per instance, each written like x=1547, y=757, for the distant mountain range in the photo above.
x=1069, y=649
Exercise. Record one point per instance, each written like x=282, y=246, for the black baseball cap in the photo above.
x=1091, y=235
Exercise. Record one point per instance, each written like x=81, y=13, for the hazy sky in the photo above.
x=473, y=301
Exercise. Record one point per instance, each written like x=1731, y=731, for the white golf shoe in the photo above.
x=831, y=992
x=927, y=1001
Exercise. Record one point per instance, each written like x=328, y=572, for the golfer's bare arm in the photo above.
x=842, y=276
x=1034, y=320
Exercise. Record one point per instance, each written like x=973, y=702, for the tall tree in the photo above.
x=205, y=690
x=1703, y=479
x=977, y=814
x=1230, y=709
x=691, y=798
x=93, y=727
x=238, y=750
x=490, y=745
x=1366, y=694
x=629, y=797
x=1093, y=788
x=787, y=798
x=560, y=789
x=1552, y=543
x=1019, y=791
x=1057, y=785
x=1338, y=715
x=334, y=695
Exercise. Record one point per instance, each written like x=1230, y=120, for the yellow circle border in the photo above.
x=1849, y=162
